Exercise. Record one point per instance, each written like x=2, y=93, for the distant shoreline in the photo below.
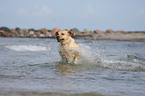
x=137, y=37
x=109, y=34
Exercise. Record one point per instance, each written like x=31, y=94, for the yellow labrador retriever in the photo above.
x=68, y=48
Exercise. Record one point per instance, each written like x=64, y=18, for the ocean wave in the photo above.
x=27, y=47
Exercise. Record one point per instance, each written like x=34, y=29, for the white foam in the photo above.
x=123, y=65
x=27, y=47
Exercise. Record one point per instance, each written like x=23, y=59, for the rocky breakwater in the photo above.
x=29, y=33
x=109, y=34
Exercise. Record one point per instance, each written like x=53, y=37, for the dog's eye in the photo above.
x=62, y=34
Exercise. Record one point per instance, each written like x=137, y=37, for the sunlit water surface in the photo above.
x=105, y=67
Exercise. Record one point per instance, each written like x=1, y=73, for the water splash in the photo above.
x=94, y=55
x=128, y=63
x=88, y=55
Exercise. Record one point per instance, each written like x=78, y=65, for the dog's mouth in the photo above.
x=59, y=40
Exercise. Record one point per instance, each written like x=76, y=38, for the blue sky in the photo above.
x=128, y=15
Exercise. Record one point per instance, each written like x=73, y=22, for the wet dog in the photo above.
x=68, y=48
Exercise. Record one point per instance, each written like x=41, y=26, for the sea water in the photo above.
x=32, y=66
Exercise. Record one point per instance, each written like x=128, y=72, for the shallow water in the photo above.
x=105, y=67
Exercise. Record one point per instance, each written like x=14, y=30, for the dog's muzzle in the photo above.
x=59, y=39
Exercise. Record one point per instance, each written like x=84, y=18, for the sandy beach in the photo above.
x=139, y=37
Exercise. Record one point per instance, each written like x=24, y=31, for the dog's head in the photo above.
x=63, y=35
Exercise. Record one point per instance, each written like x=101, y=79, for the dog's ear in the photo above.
x=71, y=33
x=56, y=33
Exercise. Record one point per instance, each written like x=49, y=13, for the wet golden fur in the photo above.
x=68, y=48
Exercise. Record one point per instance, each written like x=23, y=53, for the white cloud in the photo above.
x=87, y=12
x=22, y=12
x=36, y=6
x=38, y=10
x=42, y=11
x=89, y=9
x=45, y=10
x=2, y=10
x=142, y=12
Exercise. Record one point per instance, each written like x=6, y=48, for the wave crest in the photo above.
x=27, y=47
